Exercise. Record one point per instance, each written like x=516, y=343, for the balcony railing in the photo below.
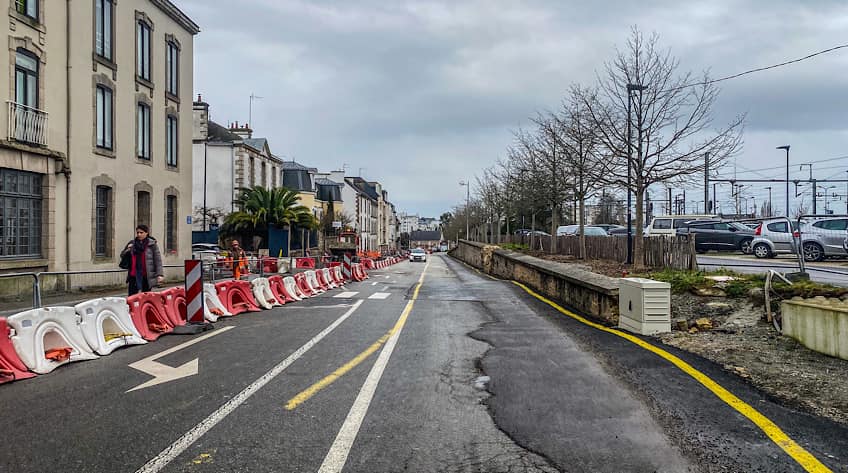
x=27, y=124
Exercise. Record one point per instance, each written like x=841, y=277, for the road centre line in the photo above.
x=170, y=453
x=336, y=458
x=804, y=458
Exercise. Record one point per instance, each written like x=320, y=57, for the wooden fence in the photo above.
x=659, y=251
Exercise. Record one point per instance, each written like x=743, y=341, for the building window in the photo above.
x=171, y=141
x=102, y=223
x=264, y=174
x=26, y=78
x=252, y=172
x=28, y=8
x=172, y=61
x=171, y=223
x=20, y=213
x=103, y=28
x=143, y=135
x=142, y=51
x=273, y=176
x=103, y=109
x=142, y=208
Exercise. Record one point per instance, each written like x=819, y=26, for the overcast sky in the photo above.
x=421, y=95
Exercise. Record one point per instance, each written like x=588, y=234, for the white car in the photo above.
x=417, y=255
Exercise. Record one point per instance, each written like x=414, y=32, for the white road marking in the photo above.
x=388, y=276
x=380, y=295
x=346, y=294
x=336, y=458
x=164, y=373
x=166, y=456
x=374, y=283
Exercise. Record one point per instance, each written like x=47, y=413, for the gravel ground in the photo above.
x=743, y=343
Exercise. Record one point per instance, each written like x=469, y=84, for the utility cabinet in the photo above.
x=644, y=306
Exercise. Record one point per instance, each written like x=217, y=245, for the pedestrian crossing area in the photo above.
x=356, y=295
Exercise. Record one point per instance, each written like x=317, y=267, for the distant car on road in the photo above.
x=668, y=224
x=417, y=254
x=590, y=230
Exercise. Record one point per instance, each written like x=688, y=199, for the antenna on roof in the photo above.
x=360, y=171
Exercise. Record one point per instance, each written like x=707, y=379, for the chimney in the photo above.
x=243, y=131
x=200, y=116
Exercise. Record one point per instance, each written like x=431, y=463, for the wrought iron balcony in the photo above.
x=27, y=124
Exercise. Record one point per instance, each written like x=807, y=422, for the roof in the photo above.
x=222, y=134
x=425, y=236
x=295, y=166
x=323, y=181
x=363, y=187
x=256, y=143
x=177, y=15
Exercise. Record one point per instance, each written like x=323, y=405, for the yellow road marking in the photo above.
x=798, y=453
x=307, y=393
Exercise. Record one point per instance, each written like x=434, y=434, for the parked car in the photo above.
x=590, y=230
x=564, y=230
x=719, y=236
x=417, y=254
x=668, y=224
x=609, y=226
x=528, y=232
x=773, y=237
x=824, y=238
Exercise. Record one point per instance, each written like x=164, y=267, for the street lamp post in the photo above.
x=786, y=148
x=467, y=200
x=770, y=210
x=630, y=88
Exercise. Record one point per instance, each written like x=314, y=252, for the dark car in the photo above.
x=719, y=236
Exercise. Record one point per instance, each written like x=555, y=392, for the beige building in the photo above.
x=98, y=131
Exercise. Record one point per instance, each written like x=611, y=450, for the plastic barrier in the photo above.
x=312, y=279
x=338, y=275
x=333, y=264
x=148, y=315
x=278, y=287
x=328, y=278
x=292, y=289
x=174, y=299
x=213, y=308
x=263, y=294
x=11, y=366
x=367, y=263
x=303, y=285
x=269, y=264
x=304, y=263
x=359, y=273
x=106, y=324
x=48, y=338
x=321, y=280
x=237, y=296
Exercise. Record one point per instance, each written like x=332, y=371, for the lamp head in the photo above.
x=786, y=147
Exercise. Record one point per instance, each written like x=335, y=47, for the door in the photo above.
x=833, y=235
x=778, y=233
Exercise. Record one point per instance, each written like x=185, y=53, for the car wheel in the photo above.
x=813, y=252
x=745, y=247
x=761, y=250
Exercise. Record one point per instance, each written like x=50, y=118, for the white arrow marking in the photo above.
x=164, y=373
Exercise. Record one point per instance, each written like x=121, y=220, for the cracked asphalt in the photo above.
x=559, y=395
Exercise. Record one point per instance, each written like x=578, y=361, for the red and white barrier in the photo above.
x=292, y=288
x=48, y=338
x=263, y=294
x=174, y=300
x=237, y=296
x=279, y=289
x=148, y=315
x=106, y=324
x=213, y=308
x=11, y=366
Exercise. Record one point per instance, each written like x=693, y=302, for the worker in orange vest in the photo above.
x=239, y=259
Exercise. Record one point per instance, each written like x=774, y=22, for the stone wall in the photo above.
x=819, y=323
x=588, y=293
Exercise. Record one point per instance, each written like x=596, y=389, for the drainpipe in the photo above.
x=67, y=171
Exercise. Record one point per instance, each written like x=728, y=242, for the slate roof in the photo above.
x=323, y=181
x=328, y=191
x=295, y=166
x=221, y=134
x=425, y=236
x=364, y=187
x=256, y=143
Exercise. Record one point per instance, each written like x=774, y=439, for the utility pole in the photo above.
x=786, y=148
x=670, y=209
x=706, y=183
x=715, y=208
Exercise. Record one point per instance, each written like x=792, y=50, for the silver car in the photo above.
x=773, y=237
x=824, y=238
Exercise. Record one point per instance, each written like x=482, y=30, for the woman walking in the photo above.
x=145, y=271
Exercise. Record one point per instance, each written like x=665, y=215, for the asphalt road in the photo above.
x=477, y=376
x=830, y=273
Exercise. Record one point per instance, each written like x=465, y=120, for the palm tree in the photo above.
x=261, y=208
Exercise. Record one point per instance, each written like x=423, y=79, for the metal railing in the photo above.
x=27, y=124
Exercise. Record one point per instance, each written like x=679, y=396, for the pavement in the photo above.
x=464, y=374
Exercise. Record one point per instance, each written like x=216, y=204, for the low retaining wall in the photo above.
x=820, y=324
x=589, y=293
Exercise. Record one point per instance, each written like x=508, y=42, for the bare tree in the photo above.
x=672, y=120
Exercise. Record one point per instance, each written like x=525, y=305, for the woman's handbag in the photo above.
x=126, y=260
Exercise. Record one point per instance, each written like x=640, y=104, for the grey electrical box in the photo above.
x=644, y=306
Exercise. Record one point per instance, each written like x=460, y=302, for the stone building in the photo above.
x=98, y=131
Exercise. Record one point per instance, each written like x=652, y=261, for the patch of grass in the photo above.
x=514, y=246
x=681, y=281
x=807, y=289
